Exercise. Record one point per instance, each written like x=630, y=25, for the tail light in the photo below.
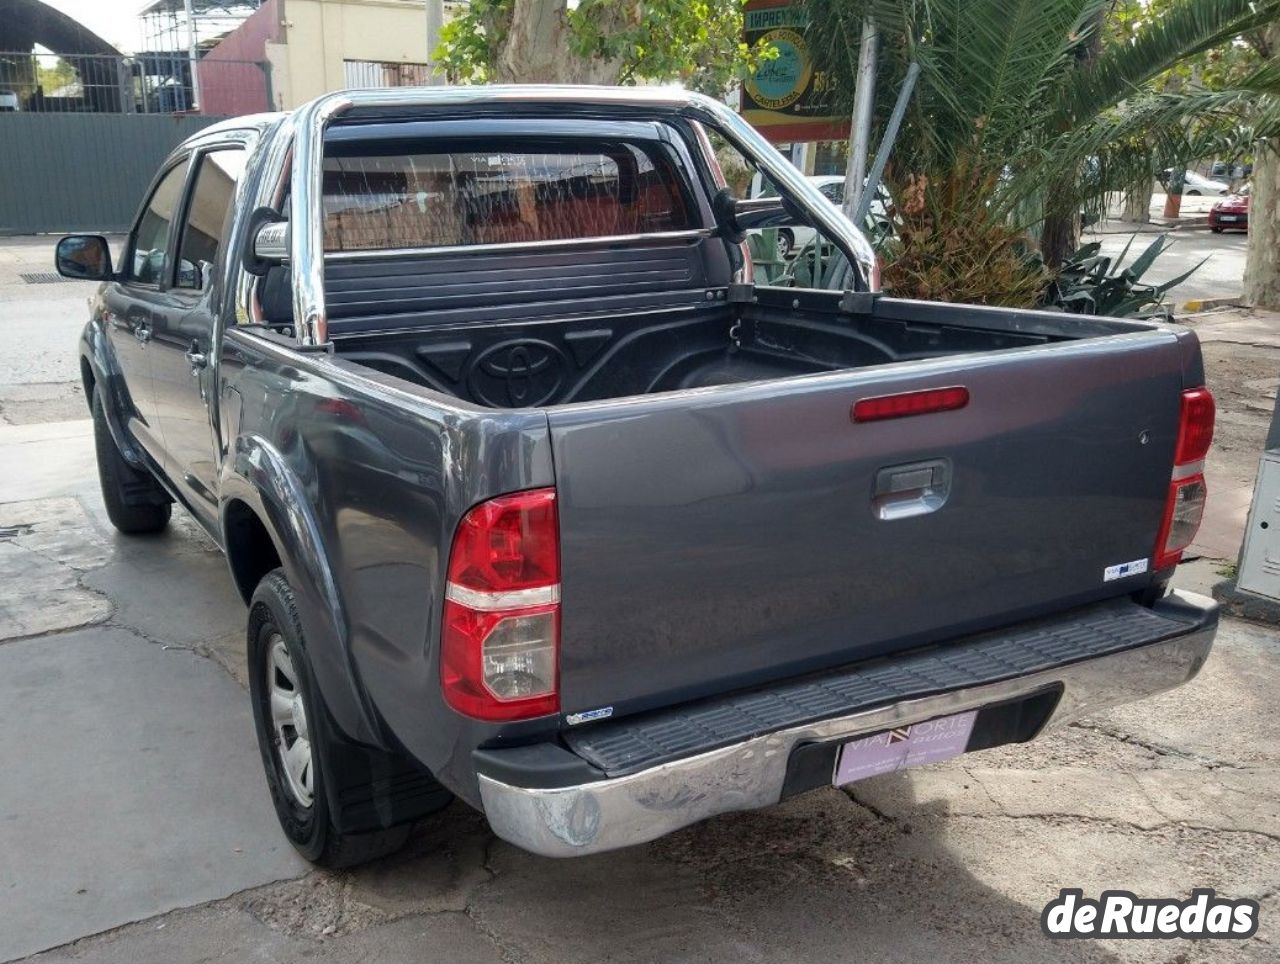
x=1184, y=506
x=500, y=645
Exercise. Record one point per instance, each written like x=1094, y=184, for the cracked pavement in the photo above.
x=135, y=823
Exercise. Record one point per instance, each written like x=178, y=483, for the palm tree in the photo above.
x=1023, y=117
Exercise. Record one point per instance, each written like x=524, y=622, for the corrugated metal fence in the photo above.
x=81, y=172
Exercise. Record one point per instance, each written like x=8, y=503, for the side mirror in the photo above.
x=194, y=274
x=268, y=242
x=737, y=216
x=83, y=257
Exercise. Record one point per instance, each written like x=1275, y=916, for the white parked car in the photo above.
x=792, y=239
x=1194, y=185
x=9, y=101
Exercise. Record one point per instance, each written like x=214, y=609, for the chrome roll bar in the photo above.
x=306, y=212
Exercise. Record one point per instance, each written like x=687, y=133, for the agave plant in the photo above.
x=1090, y=283
x=1023, y=117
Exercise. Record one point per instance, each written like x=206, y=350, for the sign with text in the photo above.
x=788, y=99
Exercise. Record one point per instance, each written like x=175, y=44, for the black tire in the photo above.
x=1217, y=230
x=310, y=827
x=136, y=503
x=1193, y=193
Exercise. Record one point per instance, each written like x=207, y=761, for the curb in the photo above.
x=1245, y=605
x=1150, y=227
x=1208, y=304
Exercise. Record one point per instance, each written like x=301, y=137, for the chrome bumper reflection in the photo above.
x=612, y=813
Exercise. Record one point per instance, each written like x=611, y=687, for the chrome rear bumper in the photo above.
x=605, y=814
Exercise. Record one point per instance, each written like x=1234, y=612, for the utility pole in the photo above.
x=435, y=20
x=193, y=54
x=864, y=98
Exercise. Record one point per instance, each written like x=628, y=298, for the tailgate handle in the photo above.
x=903, y=491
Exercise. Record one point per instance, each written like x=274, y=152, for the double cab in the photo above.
x=539, y=497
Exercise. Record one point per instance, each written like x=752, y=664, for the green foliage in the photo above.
x=695, y=42
x=1028, y=110
x=54, y=74
x=1090, y=283
x=468, y=42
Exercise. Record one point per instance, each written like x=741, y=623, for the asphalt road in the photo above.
x=1219, y=276
x=135, y=826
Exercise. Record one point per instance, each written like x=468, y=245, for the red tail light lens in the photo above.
x=910, y=403
x=1184, y=506
x=1195, y=430
x=500, y=645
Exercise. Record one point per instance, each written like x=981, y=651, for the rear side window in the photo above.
x=491, y=194
x=150, y=242
x=207, y=212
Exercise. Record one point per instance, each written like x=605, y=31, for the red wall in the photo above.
x=232, y=75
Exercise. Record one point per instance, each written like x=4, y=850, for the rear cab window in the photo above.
x=500, y=191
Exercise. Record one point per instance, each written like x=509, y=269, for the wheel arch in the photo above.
x=98, y=369
x=87, y=381
x=250, y=547
x=267, y=521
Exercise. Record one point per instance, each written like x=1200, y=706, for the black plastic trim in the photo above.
x=629, y=745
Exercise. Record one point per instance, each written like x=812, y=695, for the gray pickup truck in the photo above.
x=536, y=499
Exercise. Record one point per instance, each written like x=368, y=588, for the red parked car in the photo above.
x=1231, y=213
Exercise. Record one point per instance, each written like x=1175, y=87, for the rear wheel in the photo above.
x=1193, y=193
x=786, y=242
x=136, y=503
x=300, y=744
x=1216, y=230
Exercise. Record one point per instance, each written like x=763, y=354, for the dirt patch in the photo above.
x=1243, y=379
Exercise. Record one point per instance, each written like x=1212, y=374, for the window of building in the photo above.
x=366, y=74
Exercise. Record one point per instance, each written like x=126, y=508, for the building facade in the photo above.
x=312, y=47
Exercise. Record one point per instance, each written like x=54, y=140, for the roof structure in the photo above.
x=24, y=23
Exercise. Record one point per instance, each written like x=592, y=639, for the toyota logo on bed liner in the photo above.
x=518, y=374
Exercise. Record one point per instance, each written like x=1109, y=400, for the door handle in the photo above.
x=903, y=491
x=196, y=358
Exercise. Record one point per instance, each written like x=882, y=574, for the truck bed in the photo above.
x=570, y=351
x=726, y=523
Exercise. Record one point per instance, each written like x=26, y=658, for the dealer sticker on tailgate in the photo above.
x=907, y=746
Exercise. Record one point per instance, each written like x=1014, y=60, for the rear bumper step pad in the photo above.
x=636, y=743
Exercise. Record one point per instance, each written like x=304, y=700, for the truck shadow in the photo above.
x=821, y=877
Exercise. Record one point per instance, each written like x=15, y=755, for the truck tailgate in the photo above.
x=727, y=537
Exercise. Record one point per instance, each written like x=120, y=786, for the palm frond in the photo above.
x=1187, y=28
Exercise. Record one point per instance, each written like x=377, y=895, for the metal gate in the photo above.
x=81, y=136
x=81, y=172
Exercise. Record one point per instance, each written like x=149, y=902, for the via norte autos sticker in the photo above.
x=1124, y=569
x=1120, y=914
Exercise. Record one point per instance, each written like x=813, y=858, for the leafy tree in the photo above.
x=1024, y=115
x=698, y=43
x=53, y=74
x=1216, y=69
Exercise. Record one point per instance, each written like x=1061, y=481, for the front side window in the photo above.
x=207, y=213
x=146, y=261
x=495, y=194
